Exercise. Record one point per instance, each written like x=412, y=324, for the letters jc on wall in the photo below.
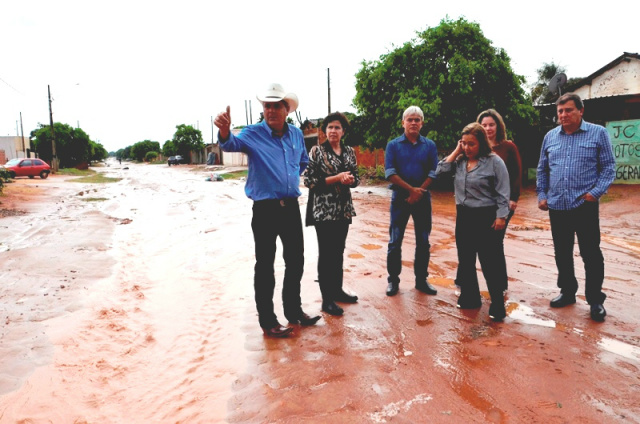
x=625, y=139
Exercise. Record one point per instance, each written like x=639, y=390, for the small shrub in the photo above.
x=4, y=177
x=150, y=156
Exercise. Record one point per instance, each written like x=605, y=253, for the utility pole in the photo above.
x=54, y=159
x=246, y=112
x=329, y=91
x=24, y=150
x=250, y=112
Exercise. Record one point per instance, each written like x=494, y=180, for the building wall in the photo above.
x=623, y=79
x=12, y=146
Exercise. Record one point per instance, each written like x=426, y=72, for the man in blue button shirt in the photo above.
x=410, y=165
x=277, y=157
x=576, y=168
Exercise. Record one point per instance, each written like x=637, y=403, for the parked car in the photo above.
x=176, y=160
x=28, y=168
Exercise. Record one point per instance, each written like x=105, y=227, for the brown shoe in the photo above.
x=277, y=331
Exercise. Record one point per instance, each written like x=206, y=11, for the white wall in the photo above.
x=620, y=80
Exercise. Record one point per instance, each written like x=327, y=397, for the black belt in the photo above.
x=279, y=202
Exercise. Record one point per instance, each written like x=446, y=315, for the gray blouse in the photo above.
x=485, y=185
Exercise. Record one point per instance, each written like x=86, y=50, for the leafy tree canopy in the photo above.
x=141, y=148
x=540, y=93
x=73, y=145
x=187, y=139
x=452, y=72
x=169, y=149
x=98, y=152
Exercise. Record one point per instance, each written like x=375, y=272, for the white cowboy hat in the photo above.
x=275, y=93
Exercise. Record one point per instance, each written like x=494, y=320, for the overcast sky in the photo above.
x=127, y=71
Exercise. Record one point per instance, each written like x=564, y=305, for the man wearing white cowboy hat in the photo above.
x=277, y=156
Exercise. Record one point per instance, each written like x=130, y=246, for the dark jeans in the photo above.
x=583, y=222
x=270, y=221
x=400, y=213
x=476, y=238
x=332, y=236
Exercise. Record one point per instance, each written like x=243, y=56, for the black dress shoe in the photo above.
x=304, y=319
x=392, y=289
x=497, y=312
x=345, y=298
x=277, y=331
x=332, y=309
x=598, y=312
x=563, y=300
x=426, y=288
x=469, y=302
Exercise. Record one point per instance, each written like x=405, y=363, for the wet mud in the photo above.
x=133, y=302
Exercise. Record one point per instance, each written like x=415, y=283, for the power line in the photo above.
x=10, y=86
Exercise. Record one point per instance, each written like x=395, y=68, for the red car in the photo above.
x=28, y=168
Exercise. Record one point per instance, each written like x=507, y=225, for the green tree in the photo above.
x=452, y=72
x=187, y=139
x=72, y=144
x=150, y=156
x=169, y=149
x=140, y=149
x=540, y=93
x=126, y=153
x=98, y=152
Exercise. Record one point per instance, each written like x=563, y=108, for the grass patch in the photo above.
x=76, y=172
x=87, y=176
x=234, y=175
x=94, y=199
x=95, y=179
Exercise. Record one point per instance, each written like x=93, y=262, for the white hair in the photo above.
x=413, y=110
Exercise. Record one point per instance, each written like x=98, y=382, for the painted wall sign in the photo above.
x=625, y=140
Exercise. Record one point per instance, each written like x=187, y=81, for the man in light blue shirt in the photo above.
x=410, y=163
x=576, y=168
x=277, y=157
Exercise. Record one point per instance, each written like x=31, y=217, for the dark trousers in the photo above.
x=502, y=235
x=583, y=222
x=272, y=220
x=400, y=213
x=332, y=236
x=476, y=239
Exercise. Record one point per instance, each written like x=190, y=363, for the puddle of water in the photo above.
x=372, y=246
x=526, y=315
x=620, y=348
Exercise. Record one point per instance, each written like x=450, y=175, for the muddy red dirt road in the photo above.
x=132, y=302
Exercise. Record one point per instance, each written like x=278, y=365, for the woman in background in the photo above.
x=481, y=186
x=332, y=171
x=496, y=131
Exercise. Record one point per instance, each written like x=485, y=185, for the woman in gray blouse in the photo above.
x=481, y=186
x=332, y=171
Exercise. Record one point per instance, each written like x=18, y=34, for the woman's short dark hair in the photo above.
x=335, y=116
x=501, y=129
x=480, y=134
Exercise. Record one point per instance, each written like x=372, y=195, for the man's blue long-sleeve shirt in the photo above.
x=414, y=163
x=275, y=163
x=572, y=165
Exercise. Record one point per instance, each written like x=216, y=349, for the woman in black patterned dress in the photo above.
x=331, y=173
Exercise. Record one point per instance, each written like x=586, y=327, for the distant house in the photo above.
x=611, y=98
x=12, y=147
